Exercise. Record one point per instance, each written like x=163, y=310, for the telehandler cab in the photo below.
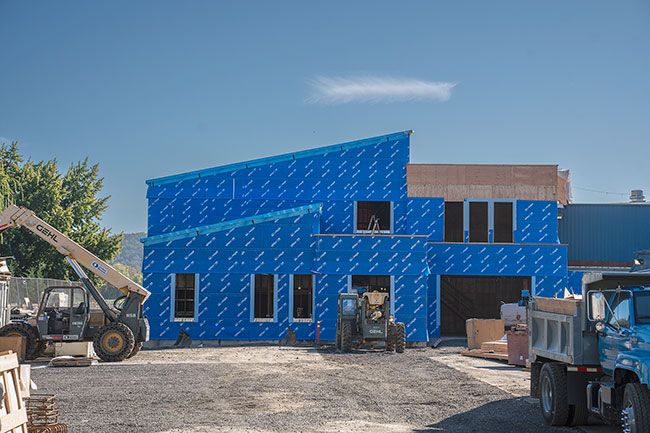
x=65, y=313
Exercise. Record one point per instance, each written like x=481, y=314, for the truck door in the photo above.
x=617, y=329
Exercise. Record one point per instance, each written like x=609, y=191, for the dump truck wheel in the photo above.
x=578, y=415
x=34, y=347
x=553, y=398
x=114, y=342
x=136, y=349
x=390, y=338
x=635, y=416
x=346, y=337
x=400, y=337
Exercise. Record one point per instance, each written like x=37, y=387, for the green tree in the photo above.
x=129, y=272
x=68, y=201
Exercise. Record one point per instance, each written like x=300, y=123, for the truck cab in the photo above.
x=622, y=320
x=590, y=355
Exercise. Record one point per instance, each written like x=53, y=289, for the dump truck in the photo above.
x=365, y=317
x=65, y=314
x=590, y=355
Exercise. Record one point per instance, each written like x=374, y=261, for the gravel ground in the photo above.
x=271, y=389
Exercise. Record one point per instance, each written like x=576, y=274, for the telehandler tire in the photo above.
x=390, y=338
x=553, y=394
x=400, y=337
x=635, y=416
x=114, y=342
x=346, y=337
x=136, y=349
x=34, y=347
x=338, y=338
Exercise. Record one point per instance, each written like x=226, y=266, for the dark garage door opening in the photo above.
x=465, y=298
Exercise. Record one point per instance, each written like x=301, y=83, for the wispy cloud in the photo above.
x=342, y=90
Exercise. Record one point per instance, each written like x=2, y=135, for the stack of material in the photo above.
x=518, y=345
x=482, y=330
x=43, y=415
x=491, y=350
x=568, y=306
x=14, y=343
x=82, y=349
x=484, y=339
x=72, y=361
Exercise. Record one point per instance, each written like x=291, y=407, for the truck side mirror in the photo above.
x=596, y=306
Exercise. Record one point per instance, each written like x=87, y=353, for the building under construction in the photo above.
x=245, y=251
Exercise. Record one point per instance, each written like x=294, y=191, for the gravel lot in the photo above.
x=271, y=389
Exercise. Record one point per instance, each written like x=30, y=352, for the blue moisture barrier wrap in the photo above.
x=536, y=222
x=371, y=255
x=296, y=214
x=262, y=162
x=233, y=224
x=498, y=259
x=551, y=287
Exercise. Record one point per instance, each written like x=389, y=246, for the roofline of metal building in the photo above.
x=624, y=203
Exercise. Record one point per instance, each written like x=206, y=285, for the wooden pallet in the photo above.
x=495, y=346
x=70, y=361
x=13, y=414
x=486, y=354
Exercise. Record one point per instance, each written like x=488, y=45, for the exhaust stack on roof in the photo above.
x=636, y=196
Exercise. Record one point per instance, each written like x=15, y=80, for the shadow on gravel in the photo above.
x=497, y=367
x=515, y=415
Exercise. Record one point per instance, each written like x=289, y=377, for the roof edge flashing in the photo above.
x=232, y=224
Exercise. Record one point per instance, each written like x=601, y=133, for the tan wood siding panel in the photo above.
x=461, y=192
x=458, y=182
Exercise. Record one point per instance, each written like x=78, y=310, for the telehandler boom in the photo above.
x=64, y=313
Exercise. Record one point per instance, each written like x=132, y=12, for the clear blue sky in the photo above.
x=152, y=88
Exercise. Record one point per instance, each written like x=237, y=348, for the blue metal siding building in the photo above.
x=605, y=234
x=268, y=223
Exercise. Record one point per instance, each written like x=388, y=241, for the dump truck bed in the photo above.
x=560, y=332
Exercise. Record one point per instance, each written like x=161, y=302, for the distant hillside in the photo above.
x=131, y=253
x=130, y=257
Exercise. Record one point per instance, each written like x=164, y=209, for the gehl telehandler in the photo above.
x=365, y=317
x=65, y=313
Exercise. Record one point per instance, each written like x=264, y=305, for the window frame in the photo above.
x=252, y=300
x=356, y=213
x=293, y=319
x=446, y=220
x=195, y=316
x=628, y=298
x=640, y=319
x=487, y=221
x=494, y=221
x=490, y=214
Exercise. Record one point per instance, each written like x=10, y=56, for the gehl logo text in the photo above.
x=46, y=232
